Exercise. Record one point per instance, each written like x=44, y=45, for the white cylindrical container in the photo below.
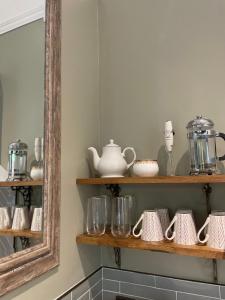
x=146, y=168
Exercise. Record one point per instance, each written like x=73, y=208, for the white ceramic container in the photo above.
x=112, y=162
x=151, y=230
x=215, y=234
x=146, y=168
x=184, y=228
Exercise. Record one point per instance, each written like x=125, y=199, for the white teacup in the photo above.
x=215, y=233
x=151, y=230
x=21, y=219
x=184, y=228
x=36, y=224
x=5, y=218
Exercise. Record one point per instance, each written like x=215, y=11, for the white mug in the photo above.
x=151, y=230
x=5, y=218
x=36, y=224
x=164, y=218
x=215, y=234
x=21, y=219
x=184, y=228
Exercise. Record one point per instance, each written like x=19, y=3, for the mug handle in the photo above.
x=200, y=231
x=136, y=225
x=168, y=229
x=134, y=153
x=221, y=135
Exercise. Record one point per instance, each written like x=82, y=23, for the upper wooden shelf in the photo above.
x=23, y=233
x=21, y=183
x=153, y=180
x=165, y=246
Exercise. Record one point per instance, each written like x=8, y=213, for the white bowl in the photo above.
x=146, y=168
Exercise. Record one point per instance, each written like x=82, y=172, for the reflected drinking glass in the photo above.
x=121, y=216
x=96, y=216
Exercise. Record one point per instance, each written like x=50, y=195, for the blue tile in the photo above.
x=186, y=286
x=146, y=292
x=183, y=296
x=128, y=276
x=110, y=285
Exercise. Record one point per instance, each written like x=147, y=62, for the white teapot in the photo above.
x=112, y=162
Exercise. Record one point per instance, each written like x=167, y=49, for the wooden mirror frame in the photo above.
x=21, y=267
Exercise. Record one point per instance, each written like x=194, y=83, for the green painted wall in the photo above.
x=162, y=60
x=22, y=86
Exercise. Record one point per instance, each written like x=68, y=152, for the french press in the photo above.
x=17, y=161
x=202, y=146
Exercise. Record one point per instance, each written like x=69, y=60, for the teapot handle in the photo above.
x=134, y=153
x=221, y=135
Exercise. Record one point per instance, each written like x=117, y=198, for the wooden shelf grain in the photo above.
x=153, y=180
x=21, y=183
x=167, y=247
x=23, y=233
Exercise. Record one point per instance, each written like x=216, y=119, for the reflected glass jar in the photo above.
x=17, y=161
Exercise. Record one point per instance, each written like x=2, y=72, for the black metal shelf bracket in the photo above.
x=207, y=189
x=115, y=189
x=117, y=253
x=25, y=191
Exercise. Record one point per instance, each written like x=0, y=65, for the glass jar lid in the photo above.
x=200, y=123
x=18, y=145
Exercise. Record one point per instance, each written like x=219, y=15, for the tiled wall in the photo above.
x=108, y=283
x=89, y=289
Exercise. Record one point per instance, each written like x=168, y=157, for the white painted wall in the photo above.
x=14, y=13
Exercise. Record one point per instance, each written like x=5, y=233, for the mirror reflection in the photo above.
x=22, y=55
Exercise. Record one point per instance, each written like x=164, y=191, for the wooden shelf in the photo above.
x=21, y=183
x=23, y=233
x=167, y=247
x=153, y=180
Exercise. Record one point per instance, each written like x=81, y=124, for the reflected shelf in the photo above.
x=164, y=246
x=21, y=183
x=21, y=233
x=153, y=180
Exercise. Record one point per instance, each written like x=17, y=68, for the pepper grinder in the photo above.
x=169, y=141
x=36, y=172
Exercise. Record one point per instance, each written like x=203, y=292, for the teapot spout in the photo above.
x=96, y=157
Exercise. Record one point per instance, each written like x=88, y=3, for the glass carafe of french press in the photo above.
x=202, y=146
x=17, y=165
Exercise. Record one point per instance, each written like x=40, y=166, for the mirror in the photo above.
x=29, y=140
x=22, y=63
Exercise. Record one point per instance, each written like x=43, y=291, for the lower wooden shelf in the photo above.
x=165, y=246
x=23, y=233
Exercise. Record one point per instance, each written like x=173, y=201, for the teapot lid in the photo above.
x=111, y=144
x=200, y=122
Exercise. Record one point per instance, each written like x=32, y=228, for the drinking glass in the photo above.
x=96, y=216
x=121, y=216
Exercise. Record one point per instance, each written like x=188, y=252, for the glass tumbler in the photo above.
x=121, y=217
x=96, y=216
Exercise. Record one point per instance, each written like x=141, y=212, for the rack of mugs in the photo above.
x=153, y=180
x=21, y=233
x=21, y=221
x=156, y=234
x=21, y=183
